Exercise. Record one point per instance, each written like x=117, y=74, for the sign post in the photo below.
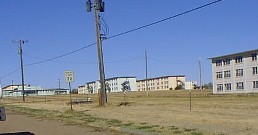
x=69, y=77
x=190, y=96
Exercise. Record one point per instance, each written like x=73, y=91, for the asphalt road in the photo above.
x=19, y=124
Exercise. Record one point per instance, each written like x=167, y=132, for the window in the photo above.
x=239, y=72
x=219, y=75
x=255, y=84
x=219, y=87
x=239, y=85
x=218, y=63
x=239, y=59
x=254, y=56
x=227, y=74
x=226, y=62
x=228, y=86
x=255, y=72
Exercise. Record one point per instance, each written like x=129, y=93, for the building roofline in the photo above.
x=234, y=54
x=120, y=77
x=162, y=77
x=11, y=85
x=113, y=78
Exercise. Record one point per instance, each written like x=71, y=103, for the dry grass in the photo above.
x=162, y=112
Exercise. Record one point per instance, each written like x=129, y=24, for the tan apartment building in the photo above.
x=161, y=83
x=235, y=73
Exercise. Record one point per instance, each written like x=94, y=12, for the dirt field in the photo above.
x=163, y=112
x=18, y=124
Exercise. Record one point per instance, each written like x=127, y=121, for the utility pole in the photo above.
x=146, y=73
x=12, y=84
x=21, y=42
x=200, y=74
x=99, y=7
x=59, y=86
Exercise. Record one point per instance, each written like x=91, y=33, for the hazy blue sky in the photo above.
x=56, y=27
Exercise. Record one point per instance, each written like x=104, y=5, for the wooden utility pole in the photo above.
x=99, y=7
x=146, y=73
x=200, y=74
x=21, y=42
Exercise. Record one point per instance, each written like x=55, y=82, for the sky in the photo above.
x=174, y=47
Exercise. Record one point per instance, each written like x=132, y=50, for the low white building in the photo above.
x=16, y=91
x=82, y=89
x=190, y=85
x=113, y=84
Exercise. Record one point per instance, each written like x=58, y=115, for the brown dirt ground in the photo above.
x=24, y=125
x=210, y=114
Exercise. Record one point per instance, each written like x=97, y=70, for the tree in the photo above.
x=208, y=86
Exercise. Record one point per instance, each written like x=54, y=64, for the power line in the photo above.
x=91, y=63
x=125, y=60
x=6, y=75
x=163, y=20
x=117, y=35
x=129, y=31
x=60, y=56
x=166, y=61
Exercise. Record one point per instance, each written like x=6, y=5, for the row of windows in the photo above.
x=239, y=86
x=152, y=84
x=239, y=72
x=160, y=79
x=238, y=59
x=153, y=88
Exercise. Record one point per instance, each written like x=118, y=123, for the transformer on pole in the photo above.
x=99, y=7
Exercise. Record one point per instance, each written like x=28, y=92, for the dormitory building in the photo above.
x=235, y=73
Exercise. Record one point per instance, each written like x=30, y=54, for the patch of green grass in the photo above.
x=196, y=133
x=128, y=124
x=83, y=118
x=189, y=130
x=173, y=127
x=143, y=123
x=114, y=122
x=178, y=132
x=144, y=127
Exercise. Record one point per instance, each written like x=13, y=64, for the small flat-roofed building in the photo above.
x=16, y=91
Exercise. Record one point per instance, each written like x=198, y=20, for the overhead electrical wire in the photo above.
x=61, y=55
x=120, y=34
x=91, y=63
x=129, y=31
x=14, y=71
x=167, y=61
x=163, y=20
